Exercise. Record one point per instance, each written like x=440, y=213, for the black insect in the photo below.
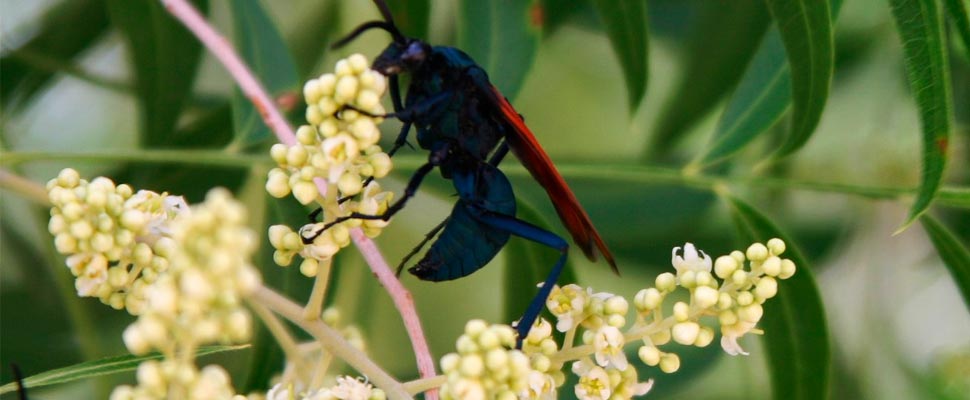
x=469, y=127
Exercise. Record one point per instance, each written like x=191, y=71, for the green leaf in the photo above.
x=723, y=40
x=954, y=254
x=411, y=17
x=527, y=263
x=555, y=13
x=104, y=366
x=760, y=99
x=957, y=9
x=262, y=48
x=626, y=25
x=796, y=335
x=87, y=20
x=502, y=37
x=920, y=25
x=166, y=58
x=954, y=197
x=806, y=30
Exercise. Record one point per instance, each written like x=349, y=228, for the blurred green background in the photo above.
x=75, y=93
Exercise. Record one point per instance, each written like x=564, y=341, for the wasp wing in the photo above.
x=527, y=149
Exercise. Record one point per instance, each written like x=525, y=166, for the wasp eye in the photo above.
x=414, y=52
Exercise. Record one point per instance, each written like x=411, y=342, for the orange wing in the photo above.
x=525, y=146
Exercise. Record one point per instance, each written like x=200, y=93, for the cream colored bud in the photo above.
x=787, y=269
x=346, y=89
x=358, y=63
x=367, y=99
x=704, y=278
x=471, y=365
x=767, y=288
x=278, y=152
x=705, y=297
x=666, y=282
x=685, y=332
x=313, y=114
x=276, y=235
x=660, y=338
x=688, y=279
x=772, y=266
x=282, y=258
x=296, y=156
x=745, y=298
x=350, y=184
x=704, y=337
x=681, y=311
x=616, y=305
x=82, y=229
x=305, y=192
x=381, y=163
x=757, y=252
x=450, y=362
x=496, y=359
x=751, y=313
x=309, y=267
x=724, y=301
x=475, y=327
x=669, y=363
x=738, y=256
x=68, y=178
x=327, y=82
x=102, y=242
x=650, y=355
x=134, y=220
x=65, y=243
x=134, y=340
x=488, y=340
x=311, y=91
x=616, y=320
x=739, y=277
x=343, y=68
x=724, y=266
x=776, y=246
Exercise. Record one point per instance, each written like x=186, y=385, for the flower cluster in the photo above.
x=600, y=320
x=485, y=368
x=198, y=300
x=337, y=149
x=347, y=388
x=117, y=241
x=172, y=379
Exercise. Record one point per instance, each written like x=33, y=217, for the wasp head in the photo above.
x=402, y=57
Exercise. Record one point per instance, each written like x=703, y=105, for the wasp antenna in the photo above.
x=386, y=13
x=390, y=28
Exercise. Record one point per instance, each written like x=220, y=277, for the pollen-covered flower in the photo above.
x=594, y=382
x=608, y=342
x=567, y=304
x=117, y=241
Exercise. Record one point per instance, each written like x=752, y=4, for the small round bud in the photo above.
x=767, y=288
x=738, y=256
x=358, y=63
x=309, y=267
x=688, y=279
x=616, y=305
x=787, y=269
x=650, y=355
x=739, y=277
x=705, y=296
x=724, y=266
x=68, y=178
x=311, y=91
x=772, y=266
x=724, y=301
x=350, y=184
x=681, y=311
x=305, y=192
x=475, y=327
x=751, y=313
x=661, y=338
x=704, y=278
x=776, y=246
x=616, y=320
x=704, y=337
x=346, y=89
x=666, y=282
x=669, y=363
x=727, y=318
x=685, y=332
x=757, y=252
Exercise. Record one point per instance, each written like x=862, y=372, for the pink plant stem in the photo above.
x=402, y=300
x=251, y=87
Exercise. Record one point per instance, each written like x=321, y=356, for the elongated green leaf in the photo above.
x=722, y=42
x=87, y=20
x=528, y=263
x=165, y=56
x=762, y=96
x=921, y=30
x=806, y=30
x=626, y=25
x=411, y=17
x=759, y=101
x=954, y=254
x=263, y=49
x=105, y=366
x=555, y=13
x=954, y=197
x=502, y=37
x=957, y=9
x=796, y=336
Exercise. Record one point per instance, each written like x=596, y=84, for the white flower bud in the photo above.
x=305, y=192
x=309, y=267
x=776, y=246
x=358, y=63
x=685, y=332
x=650, y=355
x=724, y=266
x=757, y=252
x=350, y=184
x=471, y=365
x=327, y=82
x=767, y=288
x=705, y=297
x=739, y=277
x=751, y=313
x=68, y=178
x=669, y=363
x=727, y=318
x=314, y=114
x=787, y=269
x=346, y=89
x=745, y=298
x=681, y=311
x=704, y=337
x=666, y=282
x=311, y=91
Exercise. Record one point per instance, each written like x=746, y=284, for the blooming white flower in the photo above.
x=567, y=304
x=594, y=382
x=608, y=342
